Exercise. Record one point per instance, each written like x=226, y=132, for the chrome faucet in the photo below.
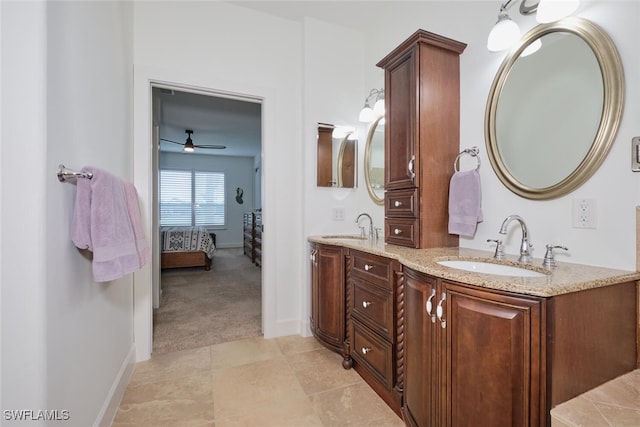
x=366, y=215
x=525, y=246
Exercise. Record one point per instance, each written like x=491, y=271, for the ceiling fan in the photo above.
x=189, y=146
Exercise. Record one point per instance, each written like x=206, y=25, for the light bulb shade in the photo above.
x=504, y=35
x=553, y=10
x=366, y=115
x=532, y=48
x=378, y=108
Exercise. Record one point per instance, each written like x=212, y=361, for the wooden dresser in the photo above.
x=252, y=232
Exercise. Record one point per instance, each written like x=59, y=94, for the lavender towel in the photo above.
x=464, y=203
x=133, y=208
x=106, y=221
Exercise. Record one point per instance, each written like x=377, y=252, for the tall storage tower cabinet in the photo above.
x=422, y=96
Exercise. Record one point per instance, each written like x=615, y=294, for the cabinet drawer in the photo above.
x=401, y=203
x=402, y=231
x=373, y=306
x=375, y=269
x=373, y=352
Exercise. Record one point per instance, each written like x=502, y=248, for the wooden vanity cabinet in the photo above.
x=474, y=356
x=374, y=301
x=328, y=292
x=422, y=93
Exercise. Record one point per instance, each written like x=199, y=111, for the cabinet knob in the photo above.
x=368, y=267
x=366, y=304
x=365, y=350
x=397, y=231
x=397, y=203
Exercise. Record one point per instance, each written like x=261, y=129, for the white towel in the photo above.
x=465, y=199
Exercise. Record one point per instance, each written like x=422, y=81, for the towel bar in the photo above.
x=65, y=174
x=473, y=152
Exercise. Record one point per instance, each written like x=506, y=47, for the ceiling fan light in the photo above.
x=553, y=10
x=188, y=148
x=504, y=34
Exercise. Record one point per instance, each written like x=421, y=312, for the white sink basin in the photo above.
x=491, y=268
x=344, y=236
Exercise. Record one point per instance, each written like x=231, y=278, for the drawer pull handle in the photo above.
x=368, y=267
x=366, y=304
x=411, y=167
x=397, y=203
x=440, y=311
x=397, y=231
x=429, y=306
x=365, y=350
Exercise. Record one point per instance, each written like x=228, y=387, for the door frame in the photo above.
x=144, y=175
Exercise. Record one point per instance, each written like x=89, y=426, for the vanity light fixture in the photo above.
x=368, y=114
x=506, y=33
x=342, y=132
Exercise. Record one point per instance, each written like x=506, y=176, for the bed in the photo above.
x=186, y=247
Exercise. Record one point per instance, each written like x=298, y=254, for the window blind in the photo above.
x=190, y=198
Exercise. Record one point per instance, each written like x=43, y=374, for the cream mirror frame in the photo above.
x=374, y=161
x=591, y=149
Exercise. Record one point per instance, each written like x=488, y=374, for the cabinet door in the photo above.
x=419, y=350
x=328, y=296
x=492, y=358
x=400, y=128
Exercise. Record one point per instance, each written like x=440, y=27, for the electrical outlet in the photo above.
x=337, y=214
x=585, y=213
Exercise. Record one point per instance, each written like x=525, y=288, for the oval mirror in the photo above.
x=374, y=161
x=552, y=115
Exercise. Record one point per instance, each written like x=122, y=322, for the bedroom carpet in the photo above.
x=200, y=308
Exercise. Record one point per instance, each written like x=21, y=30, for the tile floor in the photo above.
x=291, y=381
x=614, y=403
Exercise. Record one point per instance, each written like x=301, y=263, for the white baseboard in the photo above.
x=229, y=245
x=305, y=328
x=284, y=328
x=116, y=393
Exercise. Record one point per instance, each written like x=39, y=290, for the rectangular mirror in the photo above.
x=337, y=156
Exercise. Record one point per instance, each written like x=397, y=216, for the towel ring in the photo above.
x=473, y=152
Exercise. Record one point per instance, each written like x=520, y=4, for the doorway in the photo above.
x=225, y=132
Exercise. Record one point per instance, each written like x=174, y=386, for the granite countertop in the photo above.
x=565, y=278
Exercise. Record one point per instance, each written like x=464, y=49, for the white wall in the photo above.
x=334, y=92
x=67, y=342
x=238, y=173
x=221, y=47
x=22, y=278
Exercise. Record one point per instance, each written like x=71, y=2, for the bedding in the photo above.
x=186, y=247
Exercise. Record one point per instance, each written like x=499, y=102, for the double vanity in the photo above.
x=449, y=346
x=450, y=336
